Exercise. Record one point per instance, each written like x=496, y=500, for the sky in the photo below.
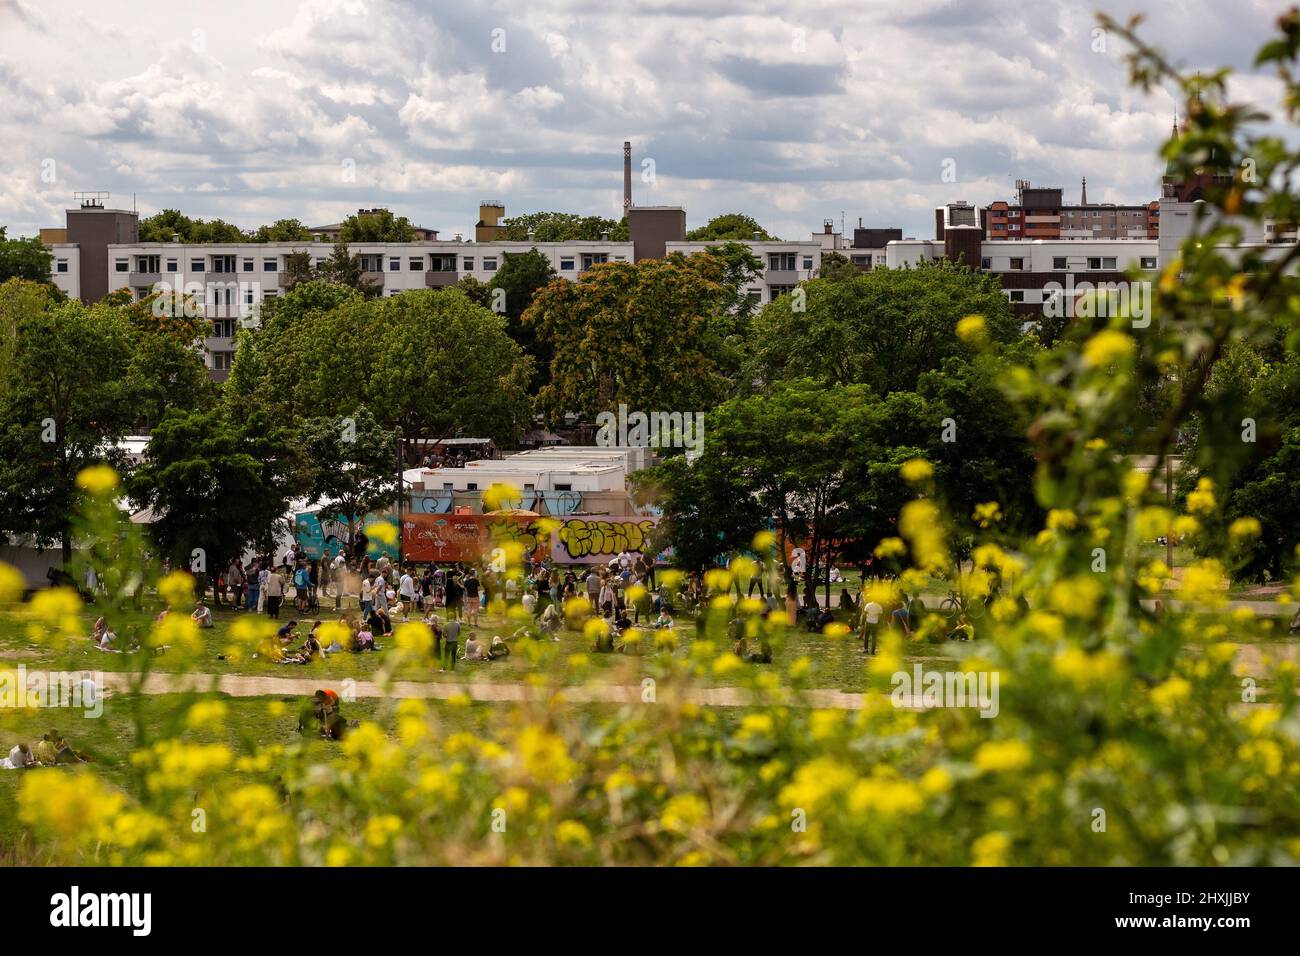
x=793, y=112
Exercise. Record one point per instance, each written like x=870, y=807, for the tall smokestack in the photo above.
x=627, y=176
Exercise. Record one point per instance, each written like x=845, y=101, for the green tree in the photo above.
x=378, y=225
x=884, y=328
x=64, y=400
x=649, y=334
x=24, y=259
x=353, y=463
x=217, y=482
x=732, y=225
x=344, y=268
x=162, y=226
x=282, y=230
x=563, y=227
x=836, y=267
x=519, y=278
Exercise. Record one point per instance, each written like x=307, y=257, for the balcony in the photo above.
x=783, y=276
x=373, y=278
x=440, y=278
x=138, y=279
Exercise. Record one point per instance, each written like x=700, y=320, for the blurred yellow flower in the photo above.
x=97, y=479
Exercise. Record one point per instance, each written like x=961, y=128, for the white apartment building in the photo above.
x=232, y=280
x=785, y=264
x=65, y=268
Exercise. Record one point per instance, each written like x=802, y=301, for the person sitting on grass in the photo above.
x=321, y=716
x=499, y=648
x=20, y=758
x=99, y=630
x=963, y=630
x=54, y=750
x=309, y=652
x=475, y=650
x=606, y=638
x=202, y=615
x=286, y=632
x=380, y=622
x=551, y=621
x=664, y=622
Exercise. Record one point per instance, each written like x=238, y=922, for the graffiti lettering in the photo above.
x=583, y=536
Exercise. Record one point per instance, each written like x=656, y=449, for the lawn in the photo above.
x=836, y=662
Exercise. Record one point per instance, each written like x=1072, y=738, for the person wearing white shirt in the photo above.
x=871, y=612
x=367, y=595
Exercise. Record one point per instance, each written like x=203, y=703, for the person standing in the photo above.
x=263, y=579
x=471, y=585
x=871, y=612
x=450, y=644
x=406, y=591
x=253, y=587
x=274, y=594
x=454, y=593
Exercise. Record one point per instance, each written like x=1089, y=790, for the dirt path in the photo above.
x=247, y=685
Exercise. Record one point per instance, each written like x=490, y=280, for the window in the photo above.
x=489, y=263
x=469, y=264
x=61, y=265
x=590, y=259
x=1094, y=263
x=248, y=297
x=221, y=361
x=754, y=296
x=1148, y=262
x=270, y=265
x=122, y=265
x=1017, y=265
x=394, y=264
x=568, y=487
x=471, y=486
x=779, y=290
x=1058, y=262
x=1109, y=262
x=196, y=265
x=269, y=294
x=173, y=265
x=416, y=264
x=808, y=263
x=223, y=328
x=320, y=263
x=248, y=265
x=781, y=261
x=986, y=263
x=860, y=260
x=223, y=263
x=566, y=263
x=1016, y=295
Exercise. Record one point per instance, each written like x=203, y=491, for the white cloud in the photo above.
x=740, y=110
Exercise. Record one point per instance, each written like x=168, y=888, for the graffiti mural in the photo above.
x=428, y=537
x=602, y=537
x=320, y=539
